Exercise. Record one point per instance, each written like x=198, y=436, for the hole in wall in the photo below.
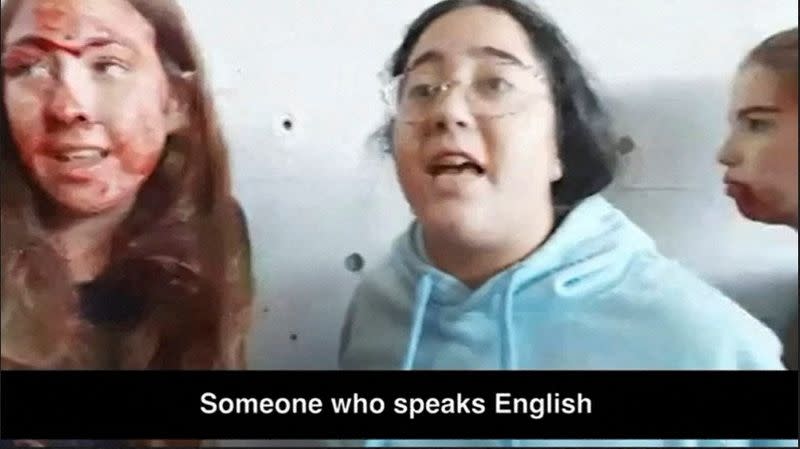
x=626, y=145
x=354, y=262
x=286, y=125
x=293, y=337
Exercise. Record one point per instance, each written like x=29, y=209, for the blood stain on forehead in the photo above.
x=53, y=15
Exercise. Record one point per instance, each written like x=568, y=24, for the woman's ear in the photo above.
x=179, y=102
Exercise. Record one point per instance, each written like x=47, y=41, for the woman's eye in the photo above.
x=26, y=63
x=493, y=85
x=420, y=91
x=35, y=70
x=39, y=69
x=757, y=125
x=111, y=68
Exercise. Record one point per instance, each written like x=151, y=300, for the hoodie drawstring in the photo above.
x=421, y=298
x=508, y=334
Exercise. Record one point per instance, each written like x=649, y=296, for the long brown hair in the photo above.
x=182, y=253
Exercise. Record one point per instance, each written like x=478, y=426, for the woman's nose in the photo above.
x=452, y=110
x=72, y=98
x=728, y=154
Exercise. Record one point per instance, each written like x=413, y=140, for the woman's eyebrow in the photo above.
x=744, y=112
x=428, y=56
x=478, y=52
x=74, y=48
x=495, y=53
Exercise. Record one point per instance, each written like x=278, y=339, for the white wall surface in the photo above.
x=321, y=191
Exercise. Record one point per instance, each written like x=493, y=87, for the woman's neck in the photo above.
x=474, y=265
x=84, y=241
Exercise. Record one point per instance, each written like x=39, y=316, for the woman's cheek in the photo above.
x=140, y=139
x=141, y=161
x=25, y=118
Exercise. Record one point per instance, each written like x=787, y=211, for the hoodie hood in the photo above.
x=586, y=255
x=595, y=295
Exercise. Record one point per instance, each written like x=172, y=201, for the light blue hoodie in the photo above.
x=596, y=295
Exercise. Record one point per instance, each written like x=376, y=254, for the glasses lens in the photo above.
x=491, y=90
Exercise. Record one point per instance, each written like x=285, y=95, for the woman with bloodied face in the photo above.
x=760, y=152
x=514, y=260
x=122, y=247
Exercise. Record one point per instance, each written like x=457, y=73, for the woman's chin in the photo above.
x=465, y=226
x=761, y=214
x=87, y=204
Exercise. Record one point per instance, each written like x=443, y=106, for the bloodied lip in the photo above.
x=72, y=161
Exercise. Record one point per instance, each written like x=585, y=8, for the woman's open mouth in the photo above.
x=456, y=169
x=80, y=157
x=454, y=163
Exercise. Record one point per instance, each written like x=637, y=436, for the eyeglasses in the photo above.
x=493, y=90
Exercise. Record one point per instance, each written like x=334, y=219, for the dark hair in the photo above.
x=584, y=139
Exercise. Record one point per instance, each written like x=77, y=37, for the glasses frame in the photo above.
x=391, y=89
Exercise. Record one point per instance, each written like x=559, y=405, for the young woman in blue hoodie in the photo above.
x=514, y=260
